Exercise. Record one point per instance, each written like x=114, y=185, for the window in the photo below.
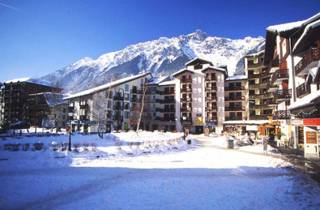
x=126, y=96
x=126, y=115
x=126, y=87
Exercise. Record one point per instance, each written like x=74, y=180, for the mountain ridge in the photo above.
x=162, y=56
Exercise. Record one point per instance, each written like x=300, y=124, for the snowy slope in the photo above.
x=162, y=57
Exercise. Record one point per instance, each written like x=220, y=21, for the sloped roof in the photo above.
x=195, y=60
x=237, y=77
x=305, y=101
x=285, y=30
x=310, y=34
x=184, y=70
x=108, y=85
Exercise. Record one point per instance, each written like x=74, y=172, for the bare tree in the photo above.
x=142, y=106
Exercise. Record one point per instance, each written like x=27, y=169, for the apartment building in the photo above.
x=261, y=99
x=159, y=109
x=15, y=96
x=115, y=105
x=47, y=110
x=236, y=98
x=199, y=96
x=295, y=47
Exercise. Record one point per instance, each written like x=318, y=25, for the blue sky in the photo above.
x=40, y=36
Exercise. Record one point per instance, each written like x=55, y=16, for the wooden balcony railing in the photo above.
x=234, y=108
x=311, y=55
x=303, y=89
x=234, y=98
x=280, y=75
x=230, y=88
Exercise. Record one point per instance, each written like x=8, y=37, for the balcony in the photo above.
x=118, y=98
x=84, y=117
x=186, y=120
x=118, y=107
x=234, y=98
x=234, y=108
x=307, y=61
x=251, y=75
x=186, y=99
x=279, y=75
x=159, y=110
x=186, y=90
x=234, y=88
x=211, y=89
x=135, y=91
x=303, y=90
x=210, y=108
x=84, y=106
x=282, y=95
x=233, y=118
x=70, y=109
x=186, y=109
x=134, y=99
x=186, y=80
x=211, y=98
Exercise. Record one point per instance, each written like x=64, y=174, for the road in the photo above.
x=202, y=177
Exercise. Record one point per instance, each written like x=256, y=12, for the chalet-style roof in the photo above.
x=24, y=79
x=169, y=82
x=255, y=54
x=186, y=70
x=285, y=30
x=215, y=69
x=106, y=86
x=310, y=34
x=196, y=61
x=32, y=81
x=237, y=77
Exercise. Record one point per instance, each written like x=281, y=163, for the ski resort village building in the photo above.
x=293, y=54
x=278, y=96
x=20, y=105
x=200, y=96
x=115, y=105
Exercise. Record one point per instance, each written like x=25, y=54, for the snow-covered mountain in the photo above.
x=161, y=57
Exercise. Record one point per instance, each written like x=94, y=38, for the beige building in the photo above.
x=200, y=96
x=236, y=98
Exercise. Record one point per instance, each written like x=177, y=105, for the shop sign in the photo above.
x=311, y=122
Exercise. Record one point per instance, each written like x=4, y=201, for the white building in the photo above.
x=115, y=105
x=200, y=96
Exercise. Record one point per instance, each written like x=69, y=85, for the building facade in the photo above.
x=200, y=96
x=116, y=105
x=236, y=98
x=261, y=99
x=294, y=48
x=15, y=96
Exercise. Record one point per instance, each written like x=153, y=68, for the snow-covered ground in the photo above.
x=196, y=176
